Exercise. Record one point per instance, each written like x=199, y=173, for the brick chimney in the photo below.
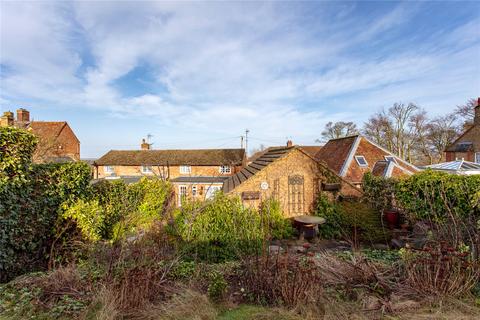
x=289, y=143
x=145, y=145
x=7, y=119
x=23, y=115
x=476, y=120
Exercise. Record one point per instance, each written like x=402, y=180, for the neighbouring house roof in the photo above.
x=199, y=157
x=269, y=156
x=459, y=166
x=339, y=155
x=335, y=153
x=312, y=151
x=46, y=130
x=199, y=180
x=460, y=146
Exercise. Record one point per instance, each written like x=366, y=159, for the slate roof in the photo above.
x=312, y=151
x=460, y=147
x=199, y=157
x=272, y=154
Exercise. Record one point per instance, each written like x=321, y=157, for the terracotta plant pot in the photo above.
x=391, y=217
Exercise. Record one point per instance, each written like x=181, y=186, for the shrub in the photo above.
x=439, y=194
x=219, y=229
x=274, y=222
x=350, y=220
x=31, y=198
x=217, y=288
x=116, y=210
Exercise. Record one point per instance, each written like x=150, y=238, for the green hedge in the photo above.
x=31, y=198
x=435, y=194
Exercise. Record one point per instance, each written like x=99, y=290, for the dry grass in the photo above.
x=186, y=305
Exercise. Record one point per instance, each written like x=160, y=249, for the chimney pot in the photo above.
x=23, y=115
x=289, y=143
x=145, y=145
x=7, y=119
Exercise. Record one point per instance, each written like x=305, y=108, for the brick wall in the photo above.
x=164, y=171
x=277, y=175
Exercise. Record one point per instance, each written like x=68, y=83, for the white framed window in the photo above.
x=185, y=169
x=182, y=194
x=147, y=169
x=477, y=157
x=390, y=158
x=225, y=170
x=108, y=169
x=362, y=162
x=194, y=191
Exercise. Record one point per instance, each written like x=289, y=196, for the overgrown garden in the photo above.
x=70, y=249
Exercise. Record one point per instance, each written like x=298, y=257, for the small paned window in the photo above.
x=225, y=169
x=477, y=157
x=194, y=191
x=185, y=169
x=109, y=169
x=362, y=162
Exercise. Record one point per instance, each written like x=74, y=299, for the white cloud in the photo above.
x=227, y=66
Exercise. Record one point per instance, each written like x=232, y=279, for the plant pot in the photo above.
x=391, y=217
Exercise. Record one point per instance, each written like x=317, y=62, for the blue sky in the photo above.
x=197, y=74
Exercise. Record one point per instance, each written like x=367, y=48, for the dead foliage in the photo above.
x=281, y=279
x=441, y=270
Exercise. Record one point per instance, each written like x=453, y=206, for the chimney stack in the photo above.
x=289, y=143
x=476, y=120
x=145, y=145
x=23, y=115
x=7, y=119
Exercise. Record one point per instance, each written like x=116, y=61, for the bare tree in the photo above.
x=467, y=111
x=394, y=129
x=338, y=130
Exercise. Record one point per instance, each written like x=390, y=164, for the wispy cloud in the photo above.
x=282, y=69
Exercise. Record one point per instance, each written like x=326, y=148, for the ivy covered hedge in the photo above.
x=426, y=194
x=31, y=197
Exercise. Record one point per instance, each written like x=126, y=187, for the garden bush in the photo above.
x=223, y=229
x=31, y=200
x=115, y=210
x=353, y=221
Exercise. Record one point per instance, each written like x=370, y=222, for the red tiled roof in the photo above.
x=335, y=152
x=311, y=150
x=46, y=129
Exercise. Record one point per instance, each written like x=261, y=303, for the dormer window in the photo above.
x=185, y=169
x=390, y=159
x=225, y=169
x=147, y=169
x=362, y=162
x=108, y=169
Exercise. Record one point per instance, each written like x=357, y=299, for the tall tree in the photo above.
x=466, y=111
x=338, y=130
x=394, y=129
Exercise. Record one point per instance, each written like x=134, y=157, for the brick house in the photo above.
x=195, y=174
x=351, y=157
x=56, y=140
x=290, y=175
x=467, y=146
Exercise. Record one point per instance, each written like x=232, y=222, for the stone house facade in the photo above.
x=195, y=174
x=289, y=175
x=351, y=157
x=56, y=140
x=467, y=146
